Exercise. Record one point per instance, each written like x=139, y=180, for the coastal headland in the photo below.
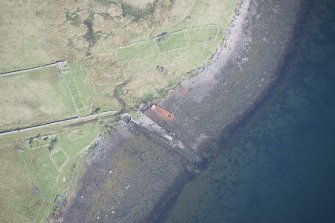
x=137, y=169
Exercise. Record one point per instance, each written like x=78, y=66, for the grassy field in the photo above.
x=82, y=95
x=109, y=42
x=171, y=41
x=34, y=172
x=33, y=98
x=106, y=43
x=22, y=43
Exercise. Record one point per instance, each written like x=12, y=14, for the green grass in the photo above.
x=27, y=168
x=137, y=51
x=18, y=203
x=40, y=165
x=74, y=140
x=103, y=103
x=77, y=82
x=172, y=41
x=33, y=98
x=207, y=33
x=87, y=99
x=59, y=157
x=21, y=39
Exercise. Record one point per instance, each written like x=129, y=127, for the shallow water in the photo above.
x=278, y=165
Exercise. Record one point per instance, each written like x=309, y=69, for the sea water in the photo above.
x=278, y=165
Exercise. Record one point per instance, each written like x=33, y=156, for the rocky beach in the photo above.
x=135, y=172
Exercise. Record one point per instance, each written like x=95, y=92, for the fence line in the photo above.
x=73, y=120
x=31, y=69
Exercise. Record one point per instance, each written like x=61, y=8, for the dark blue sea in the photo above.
x=278, y=165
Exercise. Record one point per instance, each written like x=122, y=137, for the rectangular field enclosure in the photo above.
x=33, y=98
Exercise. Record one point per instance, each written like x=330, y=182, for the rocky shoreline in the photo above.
x=232, y=84
x=135, y=174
